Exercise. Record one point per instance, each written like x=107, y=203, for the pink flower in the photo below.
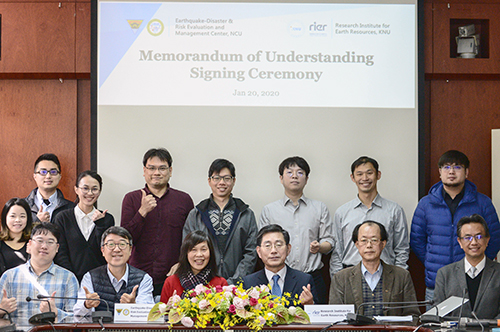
x=208, y=291
x=199, y=289
x=173, y=300
x=254, y=293
x=218, y=289
x=262, y=320
x=253, y=301
x=271, y=305
x=239, y=303
x=228, y=288
x=232, y=309
x=187, y=322
x=203, y=304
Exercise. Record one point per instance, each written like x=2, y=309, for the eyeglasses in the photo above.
x=86, y=190
x=448, y=168
x=470, y=238
x=364, y=242
x=300, y=173
x=268, y=245
x=161, y=169
x=44, y=172
x=217, y=179
x=49, y=243
x=120, y=245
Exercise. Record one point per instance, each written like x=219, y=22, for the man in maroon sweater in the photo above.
x=155, y=216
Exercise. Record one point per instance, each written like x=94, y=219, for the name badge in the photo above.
x=328, y=313
x=133, y=313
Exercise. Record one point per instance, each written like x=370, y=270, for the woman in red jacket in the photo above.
x=196, y=266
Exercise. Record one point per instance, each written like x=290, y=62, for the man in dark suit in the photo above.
x=475, y=276
x=372, y=280
x=273, y=246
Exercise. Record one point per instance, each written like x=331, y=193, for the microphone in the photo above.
x=405, y=305
x=428, y=318
x=355, y=319
x=475, y=322
x=97, y=316
x=11, y=327
x=461, y=310
x=43, y=317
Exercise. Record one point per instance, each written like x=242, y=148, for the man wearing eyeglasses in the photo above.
x=306, y=219
x=46, y=201
x=155, y=216
x=116, y=282
x=372, y=280
x=39, y=276
x=228, y=221
x=273, y=248
x=475, y=276
x=435, y=220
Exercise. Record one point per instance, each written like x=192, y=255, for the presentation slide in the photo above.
x=255, y=83
x=257, y=54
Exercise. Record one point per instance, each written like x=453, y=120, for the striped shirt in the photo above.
x=21, y=282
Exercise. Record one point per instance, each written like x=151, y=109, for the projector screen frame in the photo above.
x=422, y=121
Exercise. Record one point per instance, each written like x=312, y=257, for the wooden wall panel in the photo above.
x=82, y=37
x=462, y=116
x=428, y=37
x=442, y=60
x=84, y=131
x=36, y=117
x=38, y=37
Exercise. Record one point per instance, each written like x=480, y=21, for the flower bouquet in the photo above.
x=228, y=306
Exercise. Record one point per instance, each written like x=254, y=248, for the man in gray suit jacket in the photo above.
x=372, y=280
x=476, y=276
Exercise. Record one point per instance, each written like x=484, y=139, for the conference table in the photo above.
x=156, y=327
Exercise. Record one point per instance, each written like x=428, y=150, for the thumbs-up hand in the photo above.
x=306, y=296
x=148, y=203
x=43, y=216
x=129, y=298
x=9, y=304
x=45, y=307
x=92, y=299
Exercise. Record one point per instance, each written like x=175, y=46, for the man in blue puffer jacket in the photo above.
x=434, y=224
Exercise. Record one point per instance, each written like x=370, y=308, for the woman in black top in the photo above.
x=82, y=227
x=16, y=231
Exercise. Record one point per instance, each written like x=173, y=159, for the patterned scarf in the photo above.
x=190, y=280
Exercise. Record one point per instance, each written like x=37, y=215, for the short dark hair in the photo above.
x=294, y=161
x=117, y=230
x=454, y=157
x=50, y=157
x=272, y=228
x=363, y=160
x=190, y=241
x=219, y=164
x=44, y=228
x=475, y=218
x=160, y=153
x=4, y=233
x=383, y=231
x=83, y=174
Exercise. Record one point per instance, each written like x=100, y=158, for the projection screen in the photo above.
x=256, y=82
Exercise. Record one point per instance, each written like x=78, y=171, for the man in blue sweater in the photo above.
x=435, y=219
